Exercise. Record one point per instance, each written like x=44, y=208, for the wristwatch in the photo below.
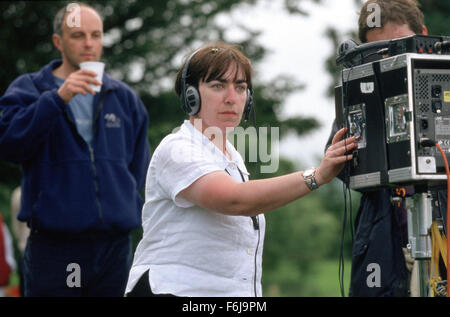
x=310, y=179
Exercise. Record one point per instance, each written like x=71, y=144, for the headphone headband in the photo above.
x=185, y=70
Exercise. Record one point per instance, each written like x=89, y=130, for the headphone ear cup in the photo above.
x=248, y=104
x=192, y=101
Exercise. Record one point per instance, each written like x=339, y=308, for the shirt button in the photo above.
x=249, y=251
x=232, y=166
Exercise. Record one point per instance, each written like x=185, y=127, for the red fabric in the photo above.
x=5, y=270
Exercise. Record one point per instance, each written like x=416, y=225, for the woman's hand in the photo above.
x=335, y=157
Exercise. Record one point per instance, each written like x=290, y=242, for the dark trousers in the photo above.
x=378, y=241
x=89, y=264
x=143, y=289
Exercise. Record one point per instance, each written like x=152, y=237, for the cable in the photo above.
x=256, y=224
x=258, y=165
x=341, y=251
x=352, y=227
x=447, y=172
x=346, y=189
x=344, y=221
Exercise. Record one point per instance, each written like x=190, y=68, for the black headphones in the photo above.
x=190, y=97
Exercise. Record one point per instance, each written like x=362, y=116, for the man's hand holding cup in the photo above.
x=86, y=80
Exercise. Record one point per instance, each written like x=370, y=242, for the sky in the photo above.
x=297, y=46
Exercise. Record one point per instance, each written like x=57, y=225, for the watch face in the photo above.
x=308, y=173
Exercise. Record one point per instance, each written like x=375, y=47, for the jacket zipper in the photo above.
x=97, y=200
x=92, y=155
x=91, y=150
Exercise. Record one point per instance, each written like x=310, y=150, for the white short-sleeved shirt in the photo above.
x=191, y=251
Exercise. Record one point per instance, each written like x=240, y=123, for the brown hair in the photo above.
x=397, y=11
x=212, y=62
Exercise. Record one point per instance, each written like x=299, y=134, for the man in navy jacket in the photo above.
x=84, y=157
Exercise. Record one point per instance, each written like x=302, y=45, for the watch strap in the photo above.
x=310, y=180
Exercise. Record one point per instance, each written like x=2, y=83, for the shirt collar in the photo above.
x=236, y=159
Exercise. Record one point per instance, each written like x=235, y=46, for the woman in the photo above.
x=203, y=220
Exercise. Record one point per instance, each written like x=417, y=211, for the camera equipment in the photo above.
x=351, y=54
x=395, y=97
x=399, y=107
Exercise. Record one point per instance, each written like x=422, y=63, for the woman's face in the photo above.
x=223, y=100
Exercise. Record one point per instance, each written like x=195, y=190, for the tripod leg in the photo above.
x=419, y=224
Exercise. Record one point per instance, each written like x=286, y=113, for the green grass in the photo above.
x=320, y=280
x=323, y=281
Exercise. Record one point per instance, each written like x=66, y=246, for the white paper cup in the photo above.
x=97, y=67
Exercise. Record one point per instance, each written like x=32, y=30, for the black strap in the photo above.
x=255, y=219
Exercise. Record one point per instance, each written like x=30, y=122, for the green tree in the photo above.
x=436, y=16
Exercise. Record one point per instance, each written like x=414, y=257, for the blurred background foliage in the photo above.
x=144, y=44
